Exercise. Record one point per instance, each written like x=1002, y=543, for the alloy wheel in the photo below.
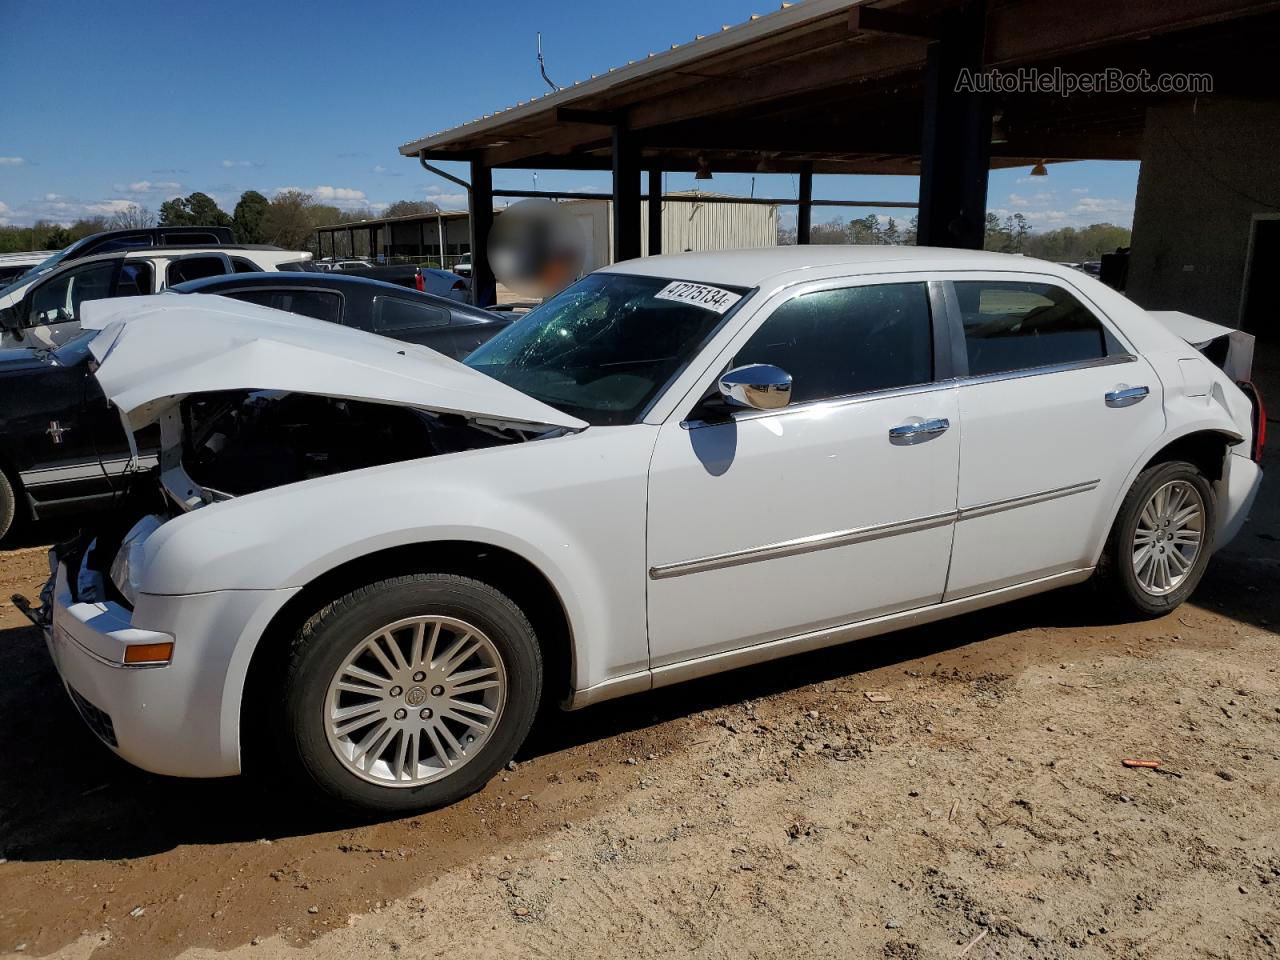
x=415, y=701
x=1169, y=536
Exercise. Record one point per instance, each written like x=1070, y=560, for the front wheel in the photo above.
x=410, y=693
x=1160, y=543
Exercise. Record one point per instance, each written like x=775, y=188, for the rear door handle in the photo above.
x=1126, y=396
x=909, y=433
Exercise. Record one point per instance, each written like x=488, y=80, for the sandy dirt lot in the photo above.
x=974, y=806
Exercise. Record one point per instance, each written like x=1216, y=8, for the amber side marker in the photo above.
x=138, y=653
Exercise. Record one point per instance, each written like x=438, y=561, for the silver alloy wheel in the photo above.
x=1168, y=538
x=415, y=700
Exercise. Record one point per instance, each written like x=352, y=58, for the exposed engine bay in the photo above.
x=239, y=442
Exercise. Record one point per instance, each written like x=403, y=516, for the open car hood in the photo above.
x=154, y=351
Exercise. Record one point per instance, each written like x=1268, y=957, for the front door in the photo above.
x=51, y=308
x=1054, y=407
x=839, y=507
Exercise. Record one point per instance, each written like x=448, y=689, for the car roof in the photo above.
x=751, y=268
x=331, y=281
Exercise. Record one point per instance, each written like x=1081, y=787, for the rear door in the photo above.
x=1056, y=407
x=197, y=266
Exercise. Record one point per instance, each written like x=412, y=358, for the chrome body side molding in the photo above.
x=996, y=506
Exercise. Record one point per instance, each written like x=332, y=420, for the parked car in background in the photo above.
x=42, y=310
x=14, y=265
x=454, y=329
x=427, y=279
x=63, y=448
x=132, y=239
x=370, y=564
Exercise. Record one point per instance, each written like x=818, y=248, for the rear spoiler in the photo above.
x=1226, y=347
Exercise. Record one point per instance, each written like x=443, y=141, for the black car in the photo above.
x=454, y=329
x=62, y=446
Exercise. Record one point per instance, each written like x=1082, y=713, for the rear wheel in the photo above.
x=1160, y=544
x=410, y=693
x=8, y=505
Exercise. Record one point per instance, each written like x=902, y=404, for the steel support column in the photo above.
x=804, y=216
x=626, y=195
x=484, y=288
x=956, y=140
x=655, y=212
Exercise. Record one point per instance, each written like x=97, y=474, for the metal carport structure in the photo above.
x=864, y=87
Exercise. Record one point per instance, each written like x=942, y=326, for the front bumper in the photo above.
x=182, y=718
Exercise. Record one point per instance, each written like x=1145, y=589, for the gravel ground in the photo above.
x=954, y=790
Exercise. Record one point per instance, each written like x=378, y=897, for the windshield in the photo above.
x=603, y=349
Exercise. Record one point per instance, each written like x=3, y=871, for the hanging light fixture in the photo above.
x=704, y=169
x=1039, y=170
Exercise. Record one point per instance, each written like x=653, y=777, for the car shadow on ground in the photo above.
x=64, y=796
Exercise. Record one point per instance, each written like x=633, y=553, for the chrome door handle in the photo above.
x=909, y=433
x=1126, y=396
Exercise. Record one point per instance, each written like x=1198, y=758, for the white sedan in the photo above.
x=369, y=564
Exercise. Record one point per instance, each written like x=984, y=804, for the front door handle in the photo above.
x=909, y=433
x=1126, y=396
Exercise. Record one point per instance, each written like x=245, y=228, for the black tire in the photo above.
x=329, y=636
x=1116, y=575
x=8, y=505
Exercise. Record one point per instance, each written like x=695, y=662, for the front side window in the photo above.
x=58, y=299
x=603, y=349
x=1012, y=325
x=393, y=315
x=835, y=343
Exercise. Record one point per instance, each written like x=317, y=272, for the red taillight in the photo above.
x=419, y=283
x=1259, y=419
x=459, y=285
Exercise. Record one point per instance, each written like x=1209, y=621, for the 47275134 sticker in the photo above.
x=699, y=295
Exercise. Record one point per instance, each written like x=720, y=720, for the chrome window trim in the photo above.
x=826, y=402
x=844, y=538
x=1047, y=369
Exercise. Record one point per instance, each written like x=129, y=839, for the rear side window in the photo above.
x=393, y=315
x=319, y=304
x=839, y=342
x=242, y=265
x=128, y=241
x=1019, y=326
x=195, y=268
x=190, y=238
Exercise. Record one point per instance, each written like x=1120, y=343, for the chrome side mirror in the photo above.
x=759, y=386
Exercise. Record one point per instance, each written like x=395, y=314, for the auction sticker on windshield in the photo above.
x=699, y=295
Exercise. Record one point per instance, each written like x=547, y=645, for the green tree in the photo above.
x=288, y=220
x=198, y=209
x=250, y=216
x=57, y=238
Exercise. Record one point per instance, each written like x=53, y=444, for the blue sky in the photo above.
x=107, y=102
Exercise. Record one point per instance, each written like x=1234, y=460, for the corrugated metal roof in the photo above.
x=757, y=27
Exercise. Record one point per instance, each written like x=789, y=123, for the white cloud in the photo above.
x=12, y=161
x=168, y=187
x=446, y=201
x=241, y=163
x=345, y=198
x=1079, y=189
x=379, y=168
x=4, y=209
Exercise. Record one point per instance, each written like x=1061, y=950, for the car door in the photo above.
x=51, y=309
x=197, y=266
x=839, y=507
x=1056, y=407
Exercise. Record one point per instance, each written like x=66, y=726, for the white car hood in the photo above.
x=153, y=351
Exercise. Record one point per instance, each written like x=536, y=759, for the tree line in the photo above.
x=1013, y=234
x=287, y=220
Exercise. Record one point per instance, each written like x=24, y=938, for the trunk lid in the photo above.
x=1229, y=349
x=154, y=351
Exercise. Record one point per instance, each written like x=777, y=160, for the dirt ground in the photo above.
x=975, y=806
